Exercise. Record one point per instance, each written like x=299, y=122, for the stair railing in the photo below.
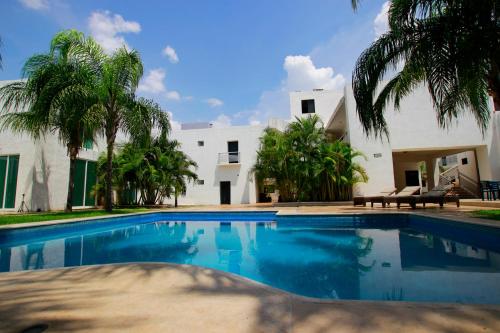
x=468, y=184
x=449, y=176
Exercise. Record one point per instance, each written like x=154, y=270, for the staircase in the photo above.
x=462, y=193
x=463, y=186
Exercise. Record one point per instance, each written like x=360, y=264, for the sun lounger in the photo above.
x=406, y=195
x=362, y=200
x=438, y=195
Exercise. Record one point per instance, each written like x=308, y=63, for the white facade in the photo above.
x=208, y=147
x=43, y=172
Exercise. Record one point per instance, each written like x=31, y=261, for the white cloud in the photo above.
x=254, y=122
x=302, y=74
x=381, y=22
x=153, y=82
x=214, y=102
x=169, y=52
x=222, y=121
x=174, y=124
x=35, y=4
x=107, y=29
x=173, y=95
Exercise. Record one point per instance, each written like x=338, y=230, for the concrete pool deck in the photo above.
x=179, y=298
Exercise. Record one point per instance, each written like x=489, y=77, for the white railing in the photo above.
x=229, y=158
x=449, y=176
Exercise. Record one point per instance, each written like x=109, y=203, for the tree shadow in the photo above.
x=180, y=298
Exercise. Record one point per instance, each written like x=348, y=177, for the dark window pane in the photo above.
x=308, y=106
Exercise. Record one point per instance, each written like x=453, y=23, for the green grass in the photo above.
x=493, y=214
x=40, y=217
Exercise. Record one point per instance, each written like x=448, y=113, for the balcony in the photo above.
x=229, y=158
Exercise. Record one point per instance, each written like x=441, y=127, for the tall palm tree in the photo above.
x=453, y=46
x=119, y=76
x=55, y=97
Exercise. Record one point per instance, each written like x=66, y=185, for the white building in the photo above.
x=414, y=138
x=225, y=157
x=416, y=143
x=40, y=170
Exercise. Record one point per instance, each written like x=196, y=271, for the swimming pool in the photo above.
x=399, y=257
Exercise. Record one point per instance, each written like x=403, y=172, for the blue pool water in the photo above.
x=369, y=257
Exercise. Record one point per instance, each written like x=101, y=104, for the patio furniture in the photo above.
x=438, y=195
x=403, y=196
x=485, y=189
x=490, y=189
x=362, y=200
x=495, y=189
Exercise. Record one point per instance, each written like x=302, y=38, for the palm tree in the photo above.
x=304, y=165
x=181, y=170
x=55, y=97
x=452, y=46
x=119, y=76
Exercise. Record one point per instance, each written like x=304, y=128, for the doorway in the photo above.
x=412, y=178
x=225, y=193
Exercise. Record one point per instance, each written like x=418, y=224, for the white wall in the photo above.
x=43, y=173
x=415, y=128
x=243, y=184
x=325, y=102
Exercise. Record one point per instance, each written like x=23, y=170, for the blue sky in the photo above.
x=224, y=61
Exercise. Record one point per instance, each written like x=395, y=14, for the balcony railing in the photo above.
x=229, y=158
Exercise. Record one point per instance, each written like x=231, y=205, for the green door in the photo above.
x=90, y=183
x=11, y=186
x=79, y=180
x=3, y=175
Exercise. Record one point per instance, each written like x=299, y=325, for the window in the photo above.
x=8, y=180
x=201, y=143
x=200, y=182
x=233, y=152
x=85, y=179
x=465, y=161
x=444, y=161
x=308, y=106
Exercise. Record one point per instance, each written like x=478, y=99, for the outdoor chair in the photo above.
x=495, y=189
x=376, y=198
x=406, y=195
x=485, y=190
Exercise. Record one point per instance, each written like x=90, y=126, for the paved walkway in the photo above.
x=174, y=298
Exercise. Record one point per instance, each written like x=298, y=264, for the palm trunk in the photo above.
x=176, y=194
x=73, y=152
x=109, y=177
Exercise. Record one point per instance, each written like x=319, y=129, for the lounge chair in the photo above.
x=406, y=195
x=438, y=195
x=362, y=200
